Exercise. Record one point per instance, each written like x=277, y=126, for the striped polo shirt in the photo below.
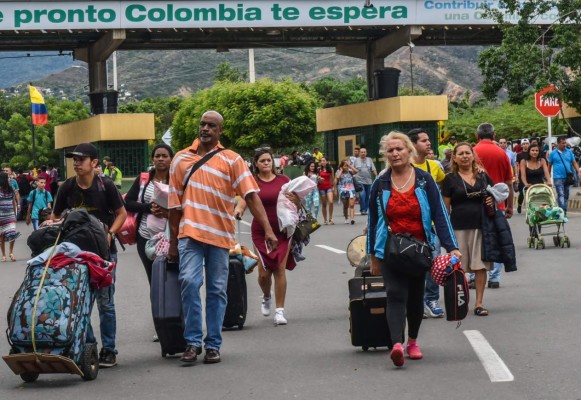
x=208, y=200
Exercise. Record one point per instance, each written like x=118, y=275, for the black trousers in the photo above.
x=405, y=297
x=147, y=263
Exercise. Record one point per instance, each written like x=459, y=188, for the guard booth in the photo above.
x=123, y=137
x=364, y=124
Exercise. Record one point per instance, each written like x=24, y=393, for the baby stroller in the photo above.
x=542, y=209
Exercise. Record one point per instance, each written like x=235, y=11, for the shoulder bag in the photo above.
x=306, y=226
x=404, y=253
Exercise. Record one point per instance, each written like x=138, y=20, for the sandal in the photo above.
x=12, y=258
x=331, y=222
x=481, y=311
x=326, y=223
x=3, y=258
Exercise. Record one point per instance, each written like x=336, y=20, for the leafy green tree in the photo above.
x=16, y=131
x=280, y=114
x=164, y=110
x=532, y=56
x=225, y=72
x=513, y=121
x=334, y=92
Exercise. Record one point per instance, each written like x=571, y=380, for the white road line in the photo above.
x=495, y=368
x=334, y=250
x=245, y=223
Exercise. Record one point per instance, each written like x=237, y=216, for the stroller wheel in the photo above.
x=561, y=242
x=567, y=242
x=556, y=241
x=530, y=242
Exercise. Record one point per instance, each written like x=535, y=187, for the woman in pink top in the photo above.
x=326, y=185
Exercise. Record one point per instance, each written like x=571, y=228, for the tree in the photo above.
x=532, y=56
x=164, y=110
x=334, y=92
x=278, y=114
x=513, y=121
x=225, y=72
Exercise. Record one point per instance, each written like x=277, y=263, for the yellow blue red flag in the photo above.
x=39, y=111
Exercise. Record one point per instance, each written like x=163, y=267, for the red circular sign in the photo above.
x=547, y=106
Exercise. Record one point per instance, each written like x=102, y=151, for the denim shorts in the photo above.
x=324, y=192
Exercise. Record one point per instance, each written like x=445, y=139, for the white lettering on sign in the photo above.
x=549, y=102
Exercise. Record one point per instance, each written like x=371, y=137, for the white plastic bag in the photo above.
x=286, y=210
x=160, y=194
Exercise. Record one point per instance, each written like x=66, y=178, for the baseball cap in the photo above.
x=525, y=141
x=83, y=150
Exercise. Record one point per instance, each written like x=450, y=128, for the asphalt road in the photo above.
x=532, y=331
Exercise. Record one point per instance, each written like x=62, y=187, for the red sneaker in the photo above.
x=397, y=355
x=414, y=351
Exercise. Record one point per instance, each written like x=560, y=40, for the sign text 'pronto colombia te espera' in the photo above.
x=242, y=14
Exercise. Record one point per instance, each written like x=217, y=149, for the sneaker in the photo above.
x=346, y=221
x=432, y=309
x=107, y=359
x=414, y=351
x=519, y=209
x=265, y=308
x=397, y=355
x=352, y=222
x=155, y=338
x=493, y=285
x=279, y=318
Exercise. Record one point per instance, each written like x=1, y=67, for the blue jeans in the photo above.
x=364, y=198
x=494, y=273
x=34, y=224
x=562, y=192
x=194, y=256
x=107, y=319
x=432, y=291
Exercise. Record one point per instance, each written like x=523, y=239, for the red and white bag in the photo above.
x=128, y=232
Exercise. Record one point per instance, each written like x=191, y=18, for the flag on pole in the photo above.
x=39, y=112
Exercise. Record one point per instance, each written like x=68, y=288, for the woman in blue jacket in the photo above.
x=413, y=205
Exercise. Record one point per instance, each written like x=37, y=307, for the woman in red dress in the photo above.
x=326, y=185
x=272, y=263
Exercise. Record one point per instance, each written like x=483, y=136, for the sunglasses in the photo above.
x=259, y=149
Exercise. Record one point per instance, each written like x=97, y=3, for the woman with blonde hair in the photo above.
x=404, y=199
x=463, y=190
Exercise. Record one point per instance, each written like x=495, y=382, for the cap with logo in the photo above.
x=83, y=150
x=525, y=141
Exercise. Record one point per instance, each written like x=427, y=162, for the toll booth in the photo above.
x=123, y=137
x=364, y=124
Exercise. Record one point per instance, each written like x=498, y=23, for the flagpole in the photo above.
x=33, y=149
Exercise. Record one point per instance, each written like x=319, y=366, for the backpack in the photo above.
x=23, y=185
x=86, y=231
x=456, y=294
x=42, y=239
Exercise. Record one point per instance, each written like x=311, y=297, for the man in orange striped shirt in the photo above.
x=201, y=219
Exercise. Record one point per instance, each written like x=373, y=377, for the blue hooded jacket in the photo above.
x=432, y=209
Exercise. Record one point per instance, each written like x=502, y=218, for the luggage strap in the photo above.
x=32, y=321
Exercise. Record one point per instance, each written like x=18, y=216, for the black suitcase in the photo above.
x=166, y=306
x=237, y=296
x=367, y=303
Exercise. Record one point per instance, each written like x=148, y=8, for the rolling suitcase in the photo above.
x=63, y=312
x=235, y=314
x=367, y=303
x=166, y=306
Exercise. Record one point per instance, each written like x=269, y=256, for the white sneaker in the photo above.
x=279, y=318
x=265, y=308
x=346, y=221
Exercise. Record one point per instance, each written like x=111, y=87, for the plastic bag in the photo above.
x=286, y=210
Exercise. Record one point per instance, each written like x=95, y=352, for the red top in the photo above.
x=326, y=184
x=495, y=162
x=404, y=214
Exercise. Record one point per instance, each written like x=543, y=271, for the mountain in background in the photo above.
x=442, y=70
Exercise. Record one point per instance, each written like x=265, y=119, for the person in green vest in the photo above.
x=114, y=173
x=450, y=143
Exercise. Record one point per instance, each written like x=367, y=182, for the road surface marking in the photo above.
x=495, y=368
x=245, y=223
x=334, y=250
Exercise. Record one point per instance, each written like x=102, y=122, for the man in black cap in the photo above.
x=99, y=196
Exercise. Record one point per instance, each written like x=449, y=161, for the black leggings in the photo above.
x=405, y=296
x=147, y=263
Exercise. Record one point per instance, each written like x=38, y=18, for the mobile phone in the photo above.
x=268, y=246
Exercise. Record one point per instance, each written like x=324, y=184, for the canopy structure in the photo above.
x=94, y=29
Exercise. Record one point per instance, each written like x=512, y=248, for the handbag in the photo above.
x=305, y=227
x=357, y=185
x=158, y=245
x=570, y=179
x=404, y=253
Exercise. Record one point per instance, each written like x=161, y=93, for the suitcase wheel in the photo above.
x=29, y=377
x=163, y=354
x=365, y=348
x=240, y=327
x=90, y=362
